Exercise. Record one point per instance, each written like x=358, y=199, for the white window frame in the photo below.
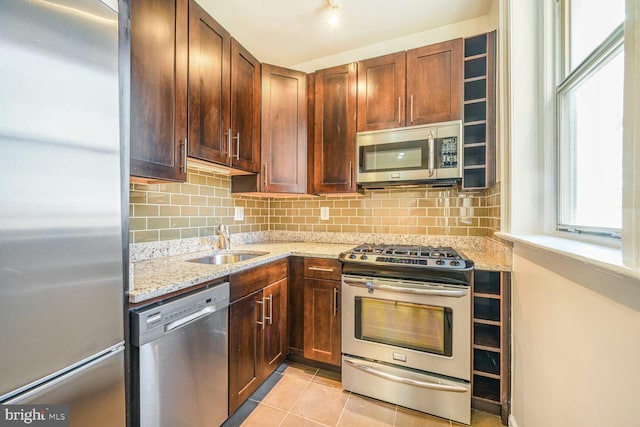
x=567, y=80
x=527, y=76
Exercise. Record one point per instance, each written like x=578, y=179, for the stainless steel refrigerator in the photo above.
x=61, y=209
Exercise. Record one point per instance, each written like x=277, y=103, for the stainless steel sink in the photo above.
x=226, y=258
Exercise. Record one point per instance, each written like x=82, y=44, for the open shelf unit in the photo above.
x=479, y=112
x=491, y=345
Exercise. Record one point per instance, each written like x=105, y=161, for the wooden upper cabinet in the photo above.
x=209, y=87
x=159, y=44
x=434, y=83
x=284, y=130
x=334, y=130
x=381, y=92
x=245, y=109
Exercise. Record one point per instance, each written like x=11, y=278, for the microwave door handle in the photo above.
x=432, y=159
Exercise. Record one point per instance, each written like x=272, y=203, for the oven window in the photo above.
x=397, y=156
x=414, y=326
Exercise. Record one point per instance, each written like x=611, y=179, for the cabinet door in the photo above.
x=381, y=92
x=275, y=328
x=245, y=109
x=295, y=303
x=434, y=83
x=159, y=89
x=245, y=348
x=284, y=130
x=209, y=87
x=322, y=320
x=335, y=130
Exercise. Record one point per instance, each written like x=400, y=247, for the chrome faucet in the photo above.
x=223, y=233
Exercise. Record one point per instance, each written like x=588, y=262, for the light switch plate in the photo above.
x=324, y=213
x=238, y=213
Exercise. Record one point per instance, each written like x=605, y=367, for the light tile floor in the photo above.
x=300, y=396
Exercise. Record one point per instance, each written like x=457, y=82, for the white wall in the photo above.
x=576, y=344
x=448, y=32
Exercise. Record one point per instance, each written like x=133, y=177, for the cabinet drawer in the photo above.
x=322, y=268
x=251, y=280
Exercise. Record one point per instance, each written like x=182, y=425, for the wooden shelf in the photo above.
x=479, y=111
x=486, y=374
x=475, y=79
x=487, y=322
x=491, y=346
x=487, y=348
x=475, y=144
x=471, y=58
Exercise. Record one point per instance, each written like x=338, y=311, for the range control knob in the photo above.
x=439, y=262
x=352, y=256
x=364, y=257
x=454, y=263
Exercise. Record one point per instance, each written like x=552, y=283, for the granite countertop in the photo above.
x=160, y=276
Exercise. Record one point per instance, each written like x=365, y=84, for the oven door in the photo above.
x=425, y=326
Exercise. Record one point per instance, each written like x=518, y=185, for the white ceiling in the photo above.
x=291, y=32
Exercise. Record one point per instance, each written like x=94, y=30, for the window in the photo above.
x=590, y=112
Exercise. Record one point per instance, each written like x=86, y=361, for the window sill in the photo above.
x=601, y=257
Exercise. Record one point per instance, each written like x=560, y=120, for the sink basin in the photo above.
x=226, y=258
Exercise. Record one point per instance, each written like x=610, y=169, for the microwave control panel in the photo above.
x=448, y=152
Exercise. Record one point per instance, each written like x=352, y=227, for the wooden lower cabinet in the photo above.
x=245, y=340
x=257, y=328
x=274, y=300
x=322, y=320
x=314, y=310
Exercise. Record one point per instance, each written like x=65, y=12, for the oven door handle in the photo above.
x=453, y=293
x=408, y=381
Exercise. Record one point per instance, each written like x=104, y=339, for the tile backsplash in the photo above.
x=195, y=208
x=191, y=209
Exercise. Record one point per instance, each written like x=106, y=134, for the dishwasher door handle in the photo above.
x=188, y=319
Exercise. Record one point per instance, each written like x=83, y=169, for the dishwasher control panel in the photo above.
x=150, y=323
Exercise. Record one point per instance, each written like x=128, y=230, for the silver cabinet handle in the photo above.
x=432, y=154
x=265, y=175
x=329, y=270
x=270, y=317
x=335, y=302
x=411, y=108
x=399, y=111
x=184, y=154
x=453, y=293
x=229, y=143
x=262, y=316
x=237, y=138
x=408, y=381
x=350, y=174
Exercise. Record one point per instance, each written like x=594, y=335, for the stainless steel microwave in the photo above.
x=410, y=155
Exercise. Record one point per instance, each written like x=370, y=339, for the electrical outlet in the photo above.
x=324, y=213
x=238, y=213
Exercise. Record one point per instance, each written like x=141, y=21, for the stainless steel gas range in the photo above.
x=406, y=327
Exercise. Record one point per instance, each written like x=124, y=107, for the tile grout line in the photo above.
x=298, y=398
x=344, y=408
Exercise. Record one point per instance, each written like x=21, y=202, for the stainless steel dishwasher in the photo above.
x=180, y=360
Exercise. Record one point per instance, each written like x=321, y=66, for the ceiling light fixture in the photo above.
x=334, y=18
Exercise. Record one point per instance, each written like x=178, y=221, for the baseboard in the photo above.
x=512, y=421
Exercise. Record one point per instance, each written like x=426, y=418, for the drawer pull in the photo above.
x=328, y=270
